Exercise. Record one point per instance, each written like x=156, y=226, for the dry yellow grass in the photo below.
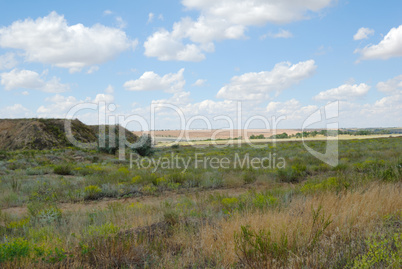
x=352, y=213
x=355, y=215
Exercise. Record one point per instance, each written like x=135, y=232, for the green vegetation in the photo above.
x=261, y=136
x=86, y=209
x=280, y=136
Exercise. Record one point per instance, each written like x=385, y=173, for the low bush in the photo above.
x=382, y=252
x=92, y=192
x=249, y=177
x=63, y=170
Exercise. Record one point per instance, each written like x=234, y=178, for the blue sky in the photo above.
x=279, y=58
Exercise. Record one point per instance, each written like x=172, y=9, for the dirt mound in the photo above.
x=107, y=129
x=41, y=134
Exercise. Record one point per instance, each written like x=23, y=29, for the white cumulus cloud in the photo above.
x=58, y=106
x=167, y=47
x=220, y=20
x=281, y=34
x=390, y=86
x=251, y=12
x=389, y=47
x=109, y=89
x=15, y=111
x=8, y=61
x=27, y=79
x=51, y=40
x=199, y=82
x=259, y=86
x=291, y=109
x=345, y=92
x=150, y=81
x=363, y=33
x=93, y=69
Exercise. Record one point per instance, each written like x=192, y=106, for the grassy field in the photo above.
x=74, y=208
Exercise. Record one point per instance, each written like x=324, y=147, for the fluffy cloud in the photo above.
x=7, y=61
x=363, y=33
x=150, y=81
x=58, y=105
x=181, y=99
x=393, y=85
x=51, y=40
x=220, y=20
x=251, y=12
x=120, y=22
x=259, y=86
x=291, y=109
x=199, y=83
x=386, y=111
x=281, y=34
x=390, y=46
x=101, y=97
x=167, y=47
x=343, y=92
x=150, y=17
x=93, y=69
x=27, y=79
x=109, y=89
x=390, y=103
x=15, y=111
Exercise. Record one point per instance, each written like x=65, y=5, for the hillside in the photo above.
x=41, y=134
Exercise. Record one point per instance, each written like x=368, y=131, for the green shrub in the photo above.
x=92, y=192
x=329, y=184
x=15, y=183
x=35, y=171
x=391, y=174
x=261, y=201
x=104, y=231
x=382, y=253
x=293, y=174
x=44, y=213
x=111, y=144
x=259, y=249
x=175, y=146
x=63, y=170
x=230, y=203
x=177, y=177
x=15, y=248
x=171, y=217
x=49, y=215
x=249, y=177
x=149, y=189
x=144, y=146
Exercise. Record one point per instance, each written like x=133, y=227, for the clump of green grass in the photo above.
x=249, y=177
x=63, y=170
x=92, y=192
